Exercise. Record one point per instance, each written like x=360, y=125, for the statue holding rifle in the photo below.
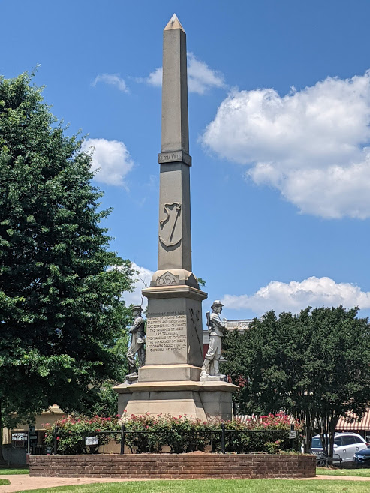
x=137, y=332
x=216, y=330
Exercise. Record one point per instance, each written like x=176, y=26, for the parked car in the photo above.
x=362, y=458
x=345, y=446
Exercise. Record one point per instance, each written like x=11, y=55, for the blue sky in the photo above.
x=279, y=114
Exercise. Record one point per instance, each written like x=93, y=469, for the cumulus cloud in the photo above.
x=142, y=277
x=201, y=78
x=313, y=145
x=113, y=79
x=295, y=296
x=110, y=159
x=154, y=78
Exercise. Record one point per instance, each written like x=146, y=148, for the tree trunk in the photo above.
x=328, y=425
x=2, y=460
x=324, y=435
x=309, y=420
x=332, y=425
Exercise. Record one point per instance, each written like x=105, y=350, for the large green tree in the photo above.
x=314, y=365
x=61, y=311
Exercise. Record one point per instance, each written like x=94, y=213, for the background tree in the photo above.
x=315, y=366
x=60, y=305
x=105, y=400
x=201, y=282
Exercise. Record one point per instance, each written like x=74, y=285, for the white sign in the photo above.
x=293, y=434
x=92, y=441
x=17, y=437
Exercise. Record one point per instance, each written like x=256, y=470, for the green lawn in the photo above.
x=342, y=472
x=4, y=481
x=218, y=485
x=14, y=470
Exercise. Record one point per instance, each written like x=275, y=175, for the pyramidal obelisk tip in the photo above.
x=174, y=23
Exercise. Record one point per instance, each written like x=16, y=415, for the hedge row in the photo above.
x=150, y=433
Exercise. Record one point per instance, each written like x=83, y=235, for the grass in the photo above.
x=4, y=481
x=324, y=471
x=14, y=470
x=217, y=485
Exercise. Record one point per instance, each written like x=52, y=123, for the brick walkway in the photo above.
x=23, y=482
x=346, y=478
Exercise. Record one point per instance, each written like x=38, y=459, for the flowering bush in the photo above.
x=180, y=434
x=258, y=434
x=145, y=433
x=70, y=433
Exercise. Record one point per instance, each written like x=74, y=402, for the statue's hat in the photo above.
x=217, y=303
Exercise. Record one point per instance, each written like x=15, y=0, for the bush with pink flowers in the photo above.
x=70, y=433
x=149, y=434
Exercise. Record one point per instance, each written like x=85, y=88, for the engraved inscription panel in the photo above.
x=171, y=157
x=166, y=335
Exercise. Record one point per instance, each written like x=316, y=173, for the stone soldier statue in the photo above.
x=216, y=331
x=137, y=332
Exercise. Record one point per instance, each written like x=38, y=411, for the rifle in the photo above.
x=208, y=318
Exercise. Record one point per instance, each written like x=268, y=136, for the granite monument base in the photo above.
x=163, y=373
x=198, y=400
x=174, y=334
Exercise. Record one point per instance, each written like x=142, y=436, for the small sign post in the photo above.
x=91, y=441
x=19, y=437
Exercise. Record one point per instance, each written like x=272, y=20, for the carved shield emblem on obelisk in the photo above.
x=170, y=225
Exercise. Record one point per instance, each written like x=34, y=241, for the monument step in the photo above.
x=196, y=400
x=174, y=386
x=161, y=373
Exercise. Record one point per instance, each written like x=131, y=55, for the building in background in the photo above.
x=23, y=439
x=231, y=325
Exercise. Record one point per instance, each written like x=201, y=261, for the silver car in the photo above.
x=345, y=446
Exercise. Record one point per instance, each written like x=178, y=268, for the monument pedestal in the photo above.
x=161, y=373
x=198, y=400
x=169, y=382
x=174, y=334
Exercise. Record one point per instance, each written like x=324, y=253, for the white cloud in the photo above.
x=201, y=78
x=142, y=280
x=113, y=79
x=154, y=78
x=312, y=145
x=295, y=296
x=110, y=159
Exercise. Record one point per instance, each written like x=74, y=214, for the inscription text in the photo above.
x=166, y=332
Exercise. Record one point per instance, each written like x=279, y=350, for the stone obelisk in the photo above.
x=169, y=382
x=174, y=315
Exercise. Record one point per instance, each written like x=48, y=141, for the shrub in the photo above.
x=258, y=434
x=70, y=433
x=145, y=433
x=181, y=434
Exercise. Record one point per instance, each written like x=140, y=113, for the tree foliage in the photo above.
x=314, y=365
x=105, y=401
x=61, y=311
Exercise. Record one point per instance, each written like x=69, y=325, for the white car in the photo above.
x=345, y=445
